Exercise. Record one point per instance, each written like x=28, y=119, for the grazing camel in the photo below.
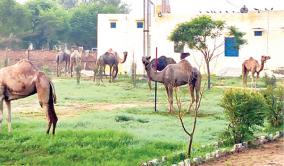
x=75, y=59
x=162, y=62
x=111, y=59
x=21, y=80
x=62, y=57
x=175, y=75
x=252, y=65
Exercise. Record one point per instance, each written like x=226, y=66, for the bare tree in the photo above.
x=181, y=115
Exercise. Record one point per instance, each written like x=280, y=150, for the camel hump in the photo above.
x=185, y=65
x=25, y=62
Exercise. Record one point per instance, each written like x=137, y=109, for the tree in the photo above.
x=181, y=116
x=13, y=21
x=202, y=34
x=50, y=24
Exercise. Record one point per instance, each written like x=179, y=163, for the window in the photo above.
x=139, y=24
x=230, y=47
x=257, y=33
x=112, y=24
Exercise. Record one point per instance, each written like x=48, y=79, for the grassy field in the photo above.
x=106, y=125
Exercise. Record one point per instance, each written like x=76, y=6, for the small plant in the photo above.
x=46, y=69
x=269, y=81
x=274, y=98
x=244, y=111
x=123, y=118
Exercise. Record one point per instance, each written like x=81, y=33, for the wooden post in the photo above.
x=156, y=62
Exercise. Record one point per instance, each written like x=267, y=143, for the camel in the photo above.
x=62, y=57
x=162, y=62
x=112, y=59
x=252, y=65
x=75, y=58
x=21, y=80
x=89, y=60
x=175, y=75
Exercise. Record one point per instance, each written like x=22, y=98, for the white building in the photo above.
x=124, y=32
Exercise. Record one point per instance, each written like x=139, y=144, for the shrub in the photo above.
x=123, y=118
x=269, y=81
x=244, y=110
x=274, y=98
x=46, y=69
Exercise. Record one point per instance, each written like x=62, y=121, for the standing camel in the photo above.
x=175, y=75
x=21, y=80
x=162, y=62
x=75, y=59
x=62, y=57
x=111, y=59
x=252, y=65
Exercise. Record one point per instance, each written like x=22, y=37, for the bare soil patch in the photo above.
x=270, y=154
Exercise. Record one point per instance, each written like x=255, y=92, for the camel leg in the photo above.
x=170, y=98
x=191, y=91
x=1, y=113
x=57, y=69
x=110, y=73
x=245, y=74
x=45, y=97
x=150, y=86
x=9, y=116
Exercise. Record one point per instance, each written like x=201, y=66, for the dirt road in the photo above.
x=270, y=154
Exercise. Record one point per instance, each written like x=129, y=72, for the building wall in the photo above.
x=128, y=37
x=125, y=37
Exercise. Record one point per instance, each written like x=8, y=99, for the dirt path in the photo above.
x=271, y=154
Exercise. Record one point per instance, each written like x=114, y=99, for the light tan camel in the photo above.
x=252, y=65
x=112, y=59
x=21, y=80
x=175, y=75
x=75, y=58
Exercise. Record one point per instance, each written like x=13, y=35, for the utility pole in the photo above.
x=146, y=39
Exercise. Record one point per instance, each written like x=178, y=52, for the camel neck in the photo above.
x=261, y=66
x=154, y=75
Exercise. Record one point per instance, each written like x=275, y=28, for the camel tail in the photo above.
x=51, y=111
x=244, y=73
x=52, y=90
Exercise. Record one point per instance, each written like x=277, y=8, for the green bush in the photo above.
x=269, y=81
x=244, y=110
x=274, y=98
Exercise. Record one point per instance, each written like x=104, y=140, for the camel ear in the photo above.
x=148, y=58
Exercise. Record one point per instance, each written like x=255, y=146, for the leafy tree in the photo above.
x=50, y=24
x=13, y=21
x=202, y=33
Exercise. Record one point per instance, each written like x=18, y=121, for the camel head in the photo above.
x=184, y=55
x=125, y=53
x=146, y=61
x=264, y=58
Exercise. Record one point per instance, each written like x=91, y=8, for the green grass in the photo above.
x=92, y=134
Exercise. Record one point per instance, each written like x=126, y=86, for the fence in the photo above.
x=39, y=58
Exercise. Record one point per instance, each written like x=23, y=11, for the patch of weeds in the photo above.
x=142, y=120
x=123, y=118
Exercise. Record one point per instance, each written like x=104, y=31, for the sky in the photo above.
x=194, y=6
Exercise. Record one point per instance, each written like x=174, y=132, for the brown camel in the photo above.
x=75, y=58
x=162, y=62
x=175, y=75
x=112, y=59
x=21, y=80
x=62, y=57
x=252, y=65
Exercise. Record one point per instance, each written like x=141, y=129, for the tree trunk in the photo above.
x=208, y=75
